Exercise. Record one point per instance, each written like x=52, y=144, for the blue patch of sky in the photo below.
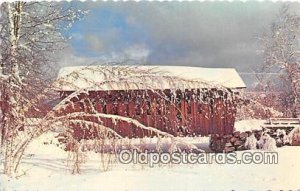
x=99, y=21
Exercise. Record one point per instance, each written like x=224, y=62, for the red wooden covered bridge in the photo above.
x=179, y=100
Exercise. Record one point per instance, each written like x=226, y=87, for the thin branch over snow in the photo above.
x=27, y=50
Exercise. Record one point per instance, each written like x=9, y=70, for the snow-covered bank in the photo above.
x=249, y=125
x=47, y=170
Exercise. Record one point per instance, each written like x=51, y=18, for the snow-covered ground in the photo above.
x=249, y=125
x=47, y=170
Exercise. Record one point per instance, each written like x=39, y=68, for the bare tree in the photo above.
x=30, y=36
x=281, y=52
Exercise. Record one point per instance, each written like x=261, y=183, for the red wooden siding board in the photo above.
x=193, y=116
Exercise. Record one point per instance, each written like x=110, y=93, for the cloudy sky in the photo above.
x=207, y=34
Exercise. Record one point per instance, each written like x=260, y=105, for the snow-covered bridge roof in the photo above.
x=77, y=77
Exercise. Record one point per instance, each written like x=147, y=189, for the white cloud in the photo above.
x=138, y=52
x=77, y=36
x=95, y=43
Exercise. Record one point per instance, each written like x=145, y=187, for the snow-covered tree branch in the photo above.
x=31, y=34
x=281, y=53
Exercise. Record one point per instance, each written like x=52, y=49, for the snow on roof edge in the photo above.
x=227, y=77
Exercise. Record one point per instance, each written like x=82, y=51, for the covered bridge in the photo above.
x=205, y=104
